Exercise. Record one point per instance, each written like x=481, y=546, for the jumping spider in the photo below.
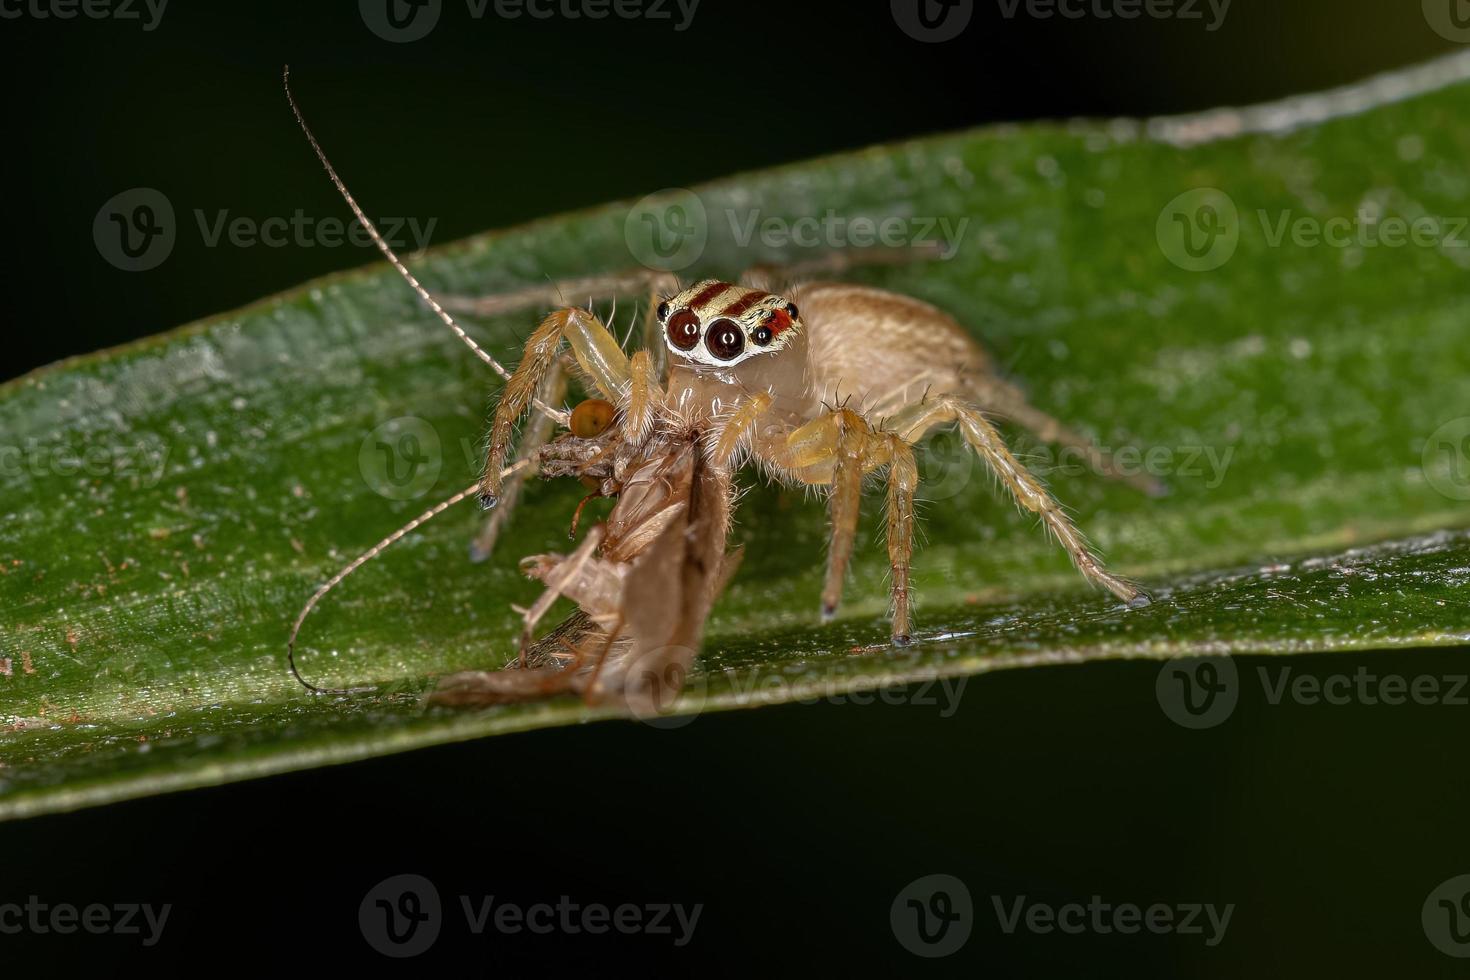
x=819, y=385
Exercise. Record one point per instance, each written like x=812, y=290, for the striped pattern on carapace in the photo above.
x=731, y=323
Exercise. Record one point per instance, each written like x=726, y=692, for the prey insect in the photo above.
x=814, y=383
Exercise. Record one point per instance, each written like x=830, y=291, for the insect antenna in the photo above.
x=555, y=414
x=363, y=559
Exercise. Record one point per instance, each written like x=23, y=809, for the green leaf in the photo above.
x=169, y=505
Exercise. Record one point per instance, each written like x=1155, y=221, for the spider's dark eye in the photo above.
x=684, y=330
x=663, y=312
x=725, y=339
x=791, y=308
x=762, y=336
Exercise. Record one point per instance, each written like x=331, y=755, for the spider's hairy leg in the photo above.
x=644, y=393
x=903, y=479
x=537, y=433
x=914, y=422
x=739, y=425
x=836, y=449
x=560, y=292
x=1005, y=400
x=598, y=355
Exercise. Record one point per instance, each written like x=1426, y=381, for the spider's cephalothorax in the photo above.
x=719, y=324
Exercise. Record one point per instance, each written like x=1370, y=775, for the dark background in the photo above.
x=797, y=826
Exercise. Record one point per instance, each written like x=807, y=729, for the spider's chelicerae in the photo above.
x=819, y=384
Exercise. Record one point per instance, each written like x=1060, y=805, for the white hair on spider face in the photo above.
x=719, y=324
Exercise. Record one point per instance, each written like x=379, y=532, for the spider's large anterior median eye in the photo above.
x=725, y=339
x=591, y=418
x=684, y=330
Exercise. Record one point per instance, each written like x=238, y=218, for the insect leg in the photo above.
x=598, y=355
x=1028, y=491
x=556, y=580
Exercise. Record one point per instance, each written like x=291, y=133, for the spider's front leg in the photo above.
x=601, y=359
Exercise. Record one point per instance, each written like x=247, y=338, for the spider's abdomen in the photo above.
x=884, y=350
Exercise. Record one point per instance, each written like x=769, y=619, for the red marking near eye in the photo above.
x=778, y=321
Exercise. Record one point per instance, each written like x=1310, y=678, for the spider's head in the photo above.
x=720, y=325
